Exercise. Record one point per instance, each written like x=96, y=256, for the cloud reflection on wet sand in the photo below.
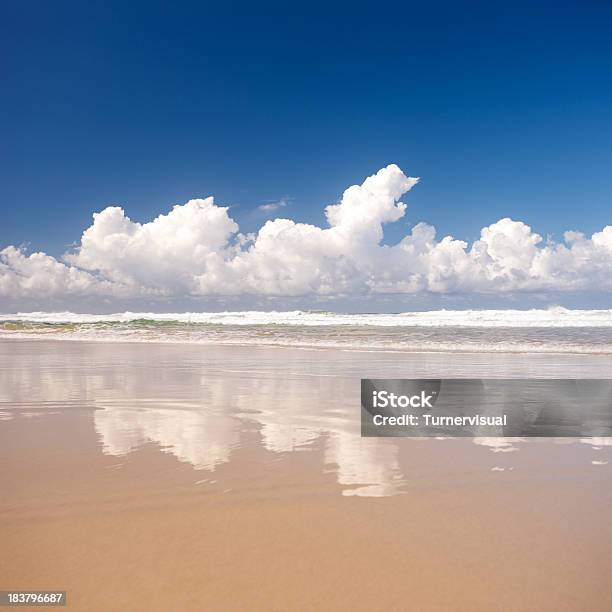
x=202, y=404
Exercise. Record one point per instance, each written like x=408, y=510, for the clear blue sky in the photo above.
x=503, y=109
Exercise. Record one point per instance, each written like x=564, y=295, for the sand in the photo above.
x=174, y=477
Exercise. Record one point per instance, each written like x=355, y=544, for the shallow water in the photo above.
x=495, y=331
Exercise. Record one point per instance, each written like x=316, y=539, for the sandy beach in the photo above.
x=306, y=308
x=189, y=477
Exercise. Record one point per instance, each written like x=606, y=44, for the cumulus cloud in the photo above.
x=162, y=257
x=42, y=275
x=197, y=249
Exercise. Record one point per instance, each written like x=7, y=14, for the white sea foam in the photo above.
x=556, y=330
x=551, y=317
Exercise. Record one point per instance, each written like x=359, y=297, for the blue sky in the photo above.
x=501, y=110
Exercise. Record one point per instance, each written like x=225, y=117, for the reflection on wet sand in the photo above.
x=198, y=403
x=206, y=438
x=190, y=435
x=201, y=404
x=264, y=495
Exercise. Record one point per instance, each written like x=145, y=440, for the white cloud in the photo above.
x=197, y=250
x=271, y=207
x=42, y=275
x=164, y=256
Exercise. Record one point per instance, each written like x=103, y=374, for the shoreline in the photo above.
x=297, y=346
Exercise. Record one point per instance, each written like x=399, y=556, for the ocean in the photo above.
x=554, y=330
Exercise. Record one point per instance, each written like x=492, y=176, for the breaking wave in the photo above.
x=551, y=317
x=554, y=330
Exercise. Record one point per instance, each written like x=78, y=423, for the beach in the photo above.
x=156, y=476
x=306, y=308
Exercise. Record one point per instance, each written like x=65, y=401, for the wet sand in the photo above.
x=173, y=477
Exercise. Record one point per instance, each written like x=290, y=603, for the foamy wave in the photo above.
x=552, y=317
x=507, y=331
x=407, y=338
